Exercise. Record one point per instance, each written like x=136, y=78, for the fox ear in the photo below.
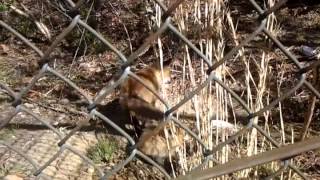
x=167, y=63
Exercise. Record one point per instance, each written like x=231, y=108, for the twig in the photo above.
x=312, y=101
x=124, y=26
x=42, y=27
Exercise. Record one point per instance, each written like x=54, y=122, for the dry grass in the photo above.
x=214, y=19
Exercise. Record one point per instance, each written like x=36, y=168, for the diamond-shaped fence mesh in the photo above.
x=281, y=153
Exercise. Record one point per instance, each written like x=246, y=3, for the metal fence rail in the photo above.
x=167, y=25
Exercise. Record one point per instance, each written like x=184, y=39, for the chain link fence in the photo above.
x=283, y=154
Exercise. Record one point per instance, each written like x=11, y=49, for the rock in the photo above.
x=12, y=177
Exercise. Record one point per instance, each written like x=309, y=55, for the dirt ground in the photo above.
x=53, y=101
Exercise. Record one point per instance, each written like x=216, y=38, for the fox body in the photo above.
x=154, y=143
x=141, y=103
x=135, y=95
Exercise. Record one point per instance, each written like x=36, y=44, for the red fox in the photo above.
x=140, y=102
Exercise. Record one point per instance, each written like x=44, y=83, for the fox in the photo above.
x=137, y=98
x=141, y=103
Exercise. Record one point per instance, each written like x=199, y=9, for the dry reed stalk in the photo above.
x=213, y=99
x=258, y=96
x=214, y=17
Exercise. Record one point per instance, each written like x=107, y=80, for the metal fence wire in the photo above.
x=281, y=153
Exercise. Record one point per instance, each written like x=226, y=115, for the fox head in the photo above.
x=165, y=75
x=136, y=96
